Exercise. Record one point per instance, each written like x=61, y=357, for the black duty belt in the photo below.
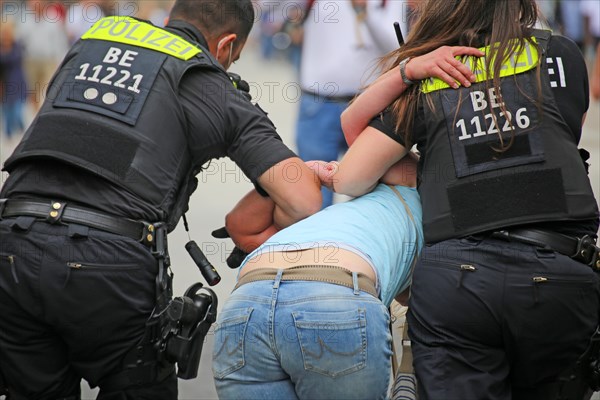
x=56, y=212
x=582, y=249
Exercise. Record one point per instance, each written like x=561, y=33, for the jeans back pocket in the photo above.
x=332, y=343
x=228, y=353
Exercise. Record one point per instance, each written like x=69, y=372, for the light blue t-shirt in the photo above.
x=375, y=226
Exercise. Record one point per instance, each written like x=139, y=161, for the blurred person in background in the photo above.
x=271, y=19
x=570, y=22
x=14, y=87
x=342, y=41
x=81, y=16
x=590, y=12
x=595, y=80
x=40, y=28
x=291, y=34
x=154, y=11
x=549, y=8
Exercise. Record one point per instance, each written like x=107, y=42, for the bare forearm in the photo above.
x=380, y=94
x=439, y=63
x=404, y=172
x=251, y=221
x=294, y=188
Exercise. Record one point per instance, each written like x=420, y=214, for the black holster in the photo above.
x=189, y=319
x=145, y=363
x=175, y=331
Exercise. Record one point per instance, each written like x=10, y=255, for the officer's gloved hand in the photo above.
x=237, y=255
x=240, y=84
x=220, y=233
x=236, y=258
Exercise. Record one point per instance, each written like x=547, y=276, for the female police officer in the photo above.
x=508, y=210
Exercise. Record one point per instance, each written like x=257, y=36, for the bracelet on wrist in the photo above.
x=403, y=72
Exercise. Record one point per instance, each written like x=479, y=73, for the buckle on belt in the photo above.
x=582, y=249
x=587, y=252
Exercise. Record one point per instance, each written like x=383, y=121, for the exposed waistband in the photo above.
x=319, y=273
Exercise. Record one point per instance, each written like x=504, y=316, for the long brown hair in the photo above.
x=474, y=23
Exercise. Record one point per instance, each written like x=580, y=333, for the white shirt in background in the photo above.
x=339, y=53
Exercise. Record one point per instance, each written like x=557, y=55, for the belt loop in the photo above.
x=278, y=278
x=77, y=231
x=23, y=223
x=355, y=283
x=149, y=233
x=56, y=212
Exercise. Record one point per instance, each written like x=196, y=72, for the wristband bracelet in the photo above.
x=403, y=72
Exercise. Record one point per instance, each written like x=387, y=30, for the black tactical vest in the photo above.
x=467, y=187
x=112, y=109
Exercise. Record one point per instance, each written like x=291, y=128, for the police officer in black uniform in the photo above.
x=505, y=296
x=107, y=166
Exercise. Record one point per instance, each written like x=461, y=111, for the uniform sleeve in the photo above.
x=386, y=124
x=569, y=80
x=222, y=122
x=255, y=144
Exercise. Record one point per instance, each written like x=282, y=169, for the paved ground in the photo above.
x=273, y=83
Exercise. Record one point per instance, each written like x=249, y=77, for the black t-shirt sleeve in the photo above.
x=222, y=122
x=569, y=81
x=255, y=144
x=385, y=122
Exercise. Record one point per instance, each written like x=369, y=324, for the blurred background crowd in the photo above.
x=35, y=35
x=299, y=54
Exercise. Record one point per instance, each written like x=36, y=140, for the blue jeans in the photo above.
x=302, y=340
x=13, y=118
x=319, y=133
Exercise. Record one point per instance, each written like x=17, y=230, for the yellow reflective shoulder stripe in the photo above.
x=526, y=60
x=137, y=33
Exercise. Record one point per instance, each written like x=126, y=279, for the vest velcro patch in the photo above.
x=479, y=153
x=81, y=142
x=506, y=198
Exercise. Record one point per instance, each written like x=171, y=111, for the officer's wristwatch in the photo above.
x=403, y=72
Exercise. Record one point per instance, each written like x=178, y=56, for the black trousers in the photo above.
x=490, y=319
x=73, y=302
